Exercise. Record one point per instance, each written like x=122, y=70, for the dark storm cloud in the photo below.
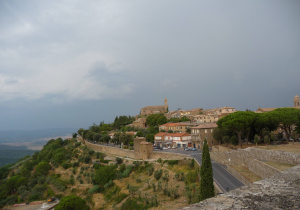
x=113, y=57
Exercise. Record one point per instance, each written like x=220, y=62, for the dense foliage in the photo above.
x=72, y=202
x=246, y=124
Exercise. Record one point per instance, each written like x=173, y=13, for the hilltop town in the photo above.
x=195, y=124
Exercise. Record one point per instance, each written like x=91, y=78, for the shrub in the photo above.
x=172, y=162
x=192, y=177
x=94, y=189
x=158, y=174
x=119, y=160
x=159, y=160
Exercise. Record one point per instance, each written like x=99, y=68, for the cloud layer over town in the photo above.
x=72, y=63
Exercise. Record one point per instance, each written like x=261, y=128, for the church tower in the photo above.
x=166, y=105
x=296, y=102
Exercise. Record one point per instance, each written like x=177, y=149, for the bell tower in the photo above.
x=296, y=102
x=166, y=105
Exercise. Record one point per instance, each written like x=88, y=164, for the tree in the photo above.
x=96, y=137
x=218, y=135
x=156, y=120
x=226, y=140
x=234, y=140
x=256, y=139
x=287, y=117
x=239, y=122
x=207, y=189
x=42, y=168
x=72, y=202
x=104, y=174
x=267, y=139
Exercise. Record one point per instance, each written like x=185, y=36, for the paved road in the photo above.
x=225, y=180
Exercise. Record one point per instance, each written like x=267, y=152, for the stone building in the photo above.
x=139, y=123
x=173, y=140
x=142, y=149
x=155, y=109
x=199, y=133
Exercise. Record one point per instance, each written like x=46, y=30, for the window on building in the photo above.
x=205, y=131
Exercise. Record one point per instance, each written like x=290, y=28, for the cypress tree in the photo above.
x=207, y=183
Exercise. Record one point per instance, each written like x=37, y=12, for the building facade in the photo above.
x=173, y=140
x=201, y=132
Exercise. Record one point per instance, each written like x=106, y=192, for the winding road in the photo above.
x=225, y=180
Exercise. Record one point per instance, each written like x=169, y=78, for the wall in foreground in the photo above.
x=280, y=191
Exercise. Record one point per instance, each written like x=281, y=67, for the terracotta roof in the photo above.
x=208, y=125
x=173, y=124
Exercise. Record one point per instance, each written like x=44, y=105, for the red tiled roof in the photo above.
x=173, y=124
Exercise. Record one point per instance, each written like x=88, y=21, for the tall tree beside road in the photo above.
x=207, y=189
x=239, y=122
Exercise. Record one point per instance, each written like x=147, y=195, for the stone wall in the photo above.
x=253, y=158
x=261, y=169
x=114, y=151
x=110, y=150
x=280, y=191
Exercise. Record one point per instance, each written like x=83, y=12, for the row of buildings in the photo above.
x=201, y=125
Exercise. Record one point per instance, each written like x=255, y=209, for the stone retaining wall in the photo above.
x=261, y=169
x=253, y=158
x=110, y=150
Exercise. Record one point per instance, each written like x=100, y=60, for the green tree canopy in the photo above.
x=239, y=122
x=42, y=168
x=72, y=202
x=156, y=120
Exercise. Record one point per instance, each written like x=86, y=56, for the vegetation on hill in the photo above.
x=67, y=169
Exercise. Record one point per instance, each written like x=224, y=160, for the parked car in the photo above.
x=194, y=149
x=187, y=149
x=165, y=148
x=157, y=147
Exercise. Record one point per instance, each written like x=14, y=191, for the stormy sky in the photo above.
x=72, y=63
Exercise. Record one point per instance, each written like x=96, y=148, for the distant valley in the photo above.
x=15, y=144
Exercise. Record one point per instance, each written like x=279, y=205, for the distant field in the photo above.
x=11, y=154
